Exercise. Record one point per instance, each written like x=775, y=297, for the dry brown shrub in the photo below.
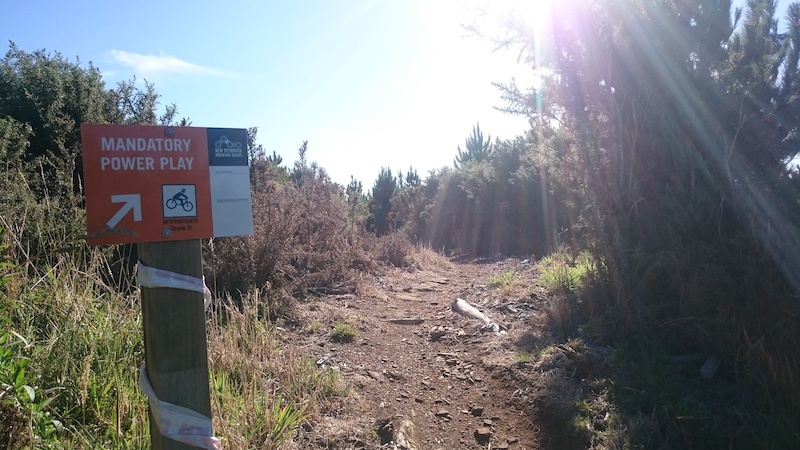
x=394, y=249
x=424, y=257
x=299, y=244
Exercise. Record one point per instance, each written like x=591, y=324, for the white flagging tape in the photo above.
x=179, y=423
x=157, y=278
x=173, y=421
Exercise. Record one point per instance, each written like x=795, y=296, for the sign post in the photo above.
x=175, y=349
x=166, y=188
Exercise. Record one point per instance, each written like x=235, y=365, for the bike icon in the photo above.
x=180, y=199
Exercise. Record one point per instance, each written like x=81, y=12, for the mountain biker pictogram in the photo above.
x=180, y=199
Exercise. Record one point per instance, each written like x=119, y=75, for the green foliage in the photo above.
x=690, y=207
x=412, y=178
x=560, y=272
x=488, y=206
x=477, y=148
x=383, y=190
x=287, y=418
x=261, y=393
x=77, y=359
x=127, y=104
x=357, y=208
x=524, y=358
x=23, y=405
x=6, y=267
x=344, y=332
x=502, y=279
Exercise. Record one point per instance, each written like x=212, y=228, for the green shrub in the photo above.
x=560, y=272
x=344, y=332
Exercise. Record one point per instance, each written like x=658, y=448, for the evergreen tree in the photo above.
x=477, y=148
x=356, y=205
x=412, y=178
x=666, y=129
x=380, y=202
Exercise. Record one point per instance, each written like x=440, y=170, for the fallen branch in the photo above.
x=465, y=309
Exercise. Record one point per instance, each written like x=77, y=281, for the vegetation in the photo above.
x=70, y=333
x=501, y=280
x=686, y=208
x=562, y=273
x=660, y=163
x=344, y=332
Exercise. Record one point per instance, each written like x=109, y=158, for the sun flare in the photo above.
x=533, y=14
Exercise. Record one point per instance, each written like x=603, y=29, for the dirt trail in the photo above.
x=462, y=386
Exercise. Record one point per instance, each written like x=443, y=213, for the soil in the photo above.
x=414, y=359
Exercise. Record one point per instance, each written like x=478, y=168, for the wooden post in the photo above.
x=175, y=347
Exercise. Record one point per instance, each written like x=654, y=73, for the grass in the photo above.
x=524, y=358
x=344, y=332
x=83, y=344
x=70, y=348
x=510, y=284
x=561, y=272
x=638, y=398
x=424, y=257
x=261, y=393
x=501, y=280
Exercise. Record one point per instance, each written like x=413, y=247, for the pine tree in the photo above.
x=477, y=148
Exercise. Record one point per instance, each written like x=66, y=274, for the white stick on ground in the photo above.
x=465, y=309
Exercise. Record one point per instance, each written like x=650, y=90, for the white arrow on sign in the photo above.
x=130, y=202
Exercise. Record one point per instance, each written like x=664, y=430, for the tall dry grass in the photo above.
x=72, y=345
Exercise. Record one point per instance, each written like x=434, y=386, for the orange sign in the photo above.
x=154, y=183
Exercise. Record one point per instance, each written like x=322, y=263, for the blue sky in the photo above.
x=368, y=83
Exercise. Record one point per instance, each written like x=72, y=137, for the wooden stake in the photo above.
x=176, y=352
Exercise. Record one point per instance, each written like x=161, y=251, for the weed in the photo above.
x=286, y=417
x=344, y=332
x=501, y=280
x=560, y=312
x=261, y=393
x=560, y=272
x=313, y=326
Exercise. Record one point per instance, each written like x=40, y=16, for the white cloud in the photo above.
x=148, y=65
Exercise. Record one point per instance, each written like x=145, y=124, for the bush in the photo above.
x=394, y=249
x=299, y=245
